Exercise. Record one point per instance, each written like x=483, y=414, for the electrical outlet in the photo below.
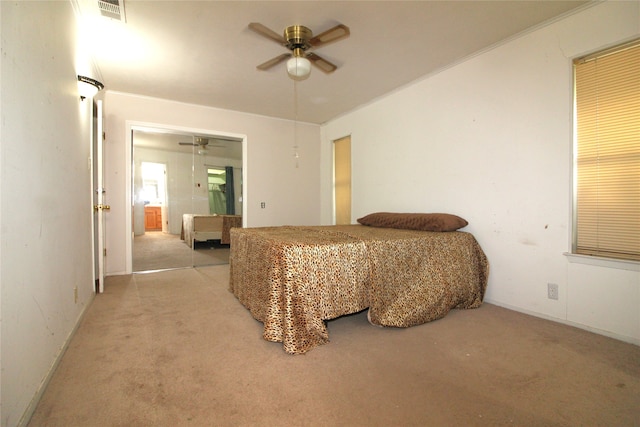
x=263, y=205
x=75, y=295
x=552, y=291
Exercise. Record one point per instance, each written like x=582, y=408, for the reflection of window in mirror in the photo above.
x=216, y=180
x=150, y=190
x=153, y=183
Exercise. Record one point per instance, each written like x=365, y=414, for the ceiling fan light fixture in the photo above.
x=298, y=39
x=298, y=67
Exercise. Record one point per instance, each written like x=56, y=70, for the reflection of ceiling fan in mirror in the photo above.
x=200, y=142
x=299, y=40
x=197, y=142
x=203, y=144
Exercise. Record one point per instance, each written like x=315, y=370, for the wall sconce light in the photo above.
x=88, y=87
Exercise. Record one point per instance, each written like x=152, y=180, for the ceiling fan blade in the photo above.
x=321, y=63
x=224, y=139
x=334, y=34
x=268, y=33
x=187, y=143
x=273, y=62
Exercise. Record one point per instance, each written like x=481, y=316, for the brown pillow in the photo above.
x=414, y=221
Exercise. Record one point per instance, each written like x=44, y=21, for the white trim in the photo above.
x=128, y=214
x=619, y=264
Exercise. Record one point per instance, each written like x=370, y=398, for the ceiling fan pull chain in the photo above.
x=296, y=155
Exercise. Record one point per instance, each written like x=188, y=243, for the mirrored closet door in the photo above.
x=184, y=186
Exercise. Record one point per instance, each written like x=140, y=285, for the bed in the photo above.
x=200, y=228
x=294, y=278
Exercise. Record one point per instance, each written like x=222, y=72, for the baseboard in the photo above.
x=28, y=413
x=625, y=338
x=117, y=273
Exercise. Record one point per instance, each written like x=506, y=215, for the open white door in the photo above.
x=99, y=206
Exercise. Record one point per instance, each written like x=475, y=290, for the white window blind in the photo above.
x=607, y=113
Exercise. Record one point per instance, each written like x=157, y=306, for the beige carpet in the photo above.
x=175, y=348
x=156, y=250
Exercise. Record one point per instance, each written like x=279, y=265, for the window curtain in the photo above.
x=229, y=191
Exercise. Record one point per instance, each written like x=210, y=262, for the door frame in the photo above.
x=165, y=197
x=97, y=194
x=130, y=126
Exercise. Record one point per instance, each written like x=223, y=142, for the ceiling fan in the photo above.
x=300, y=40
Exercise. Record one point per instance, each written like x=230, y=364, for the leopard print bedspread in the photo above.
x=292, y=279
x=229, y=222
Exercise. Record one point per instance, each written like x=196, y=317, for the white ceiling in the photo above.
x=202, y=52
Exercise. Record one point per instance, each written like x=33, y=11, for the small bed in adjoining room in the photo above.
x=200, y=228
x=293, y=279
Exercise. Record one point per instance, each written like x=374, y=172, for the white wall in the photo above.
x=45, y=194
x=490, y=140
x=291, y=194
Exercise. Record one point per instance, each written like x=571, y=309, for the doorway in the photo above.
x=342, y=180
x=154, y=194
x=170, y=179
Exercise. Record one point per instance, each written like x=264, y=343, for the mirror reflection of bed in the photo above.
x=174, y=175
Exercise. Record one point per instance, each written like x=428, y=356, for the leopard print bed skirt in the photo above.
x=292, y=279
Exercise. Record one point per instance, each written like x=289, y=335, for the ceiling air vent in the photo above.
x=113, y=9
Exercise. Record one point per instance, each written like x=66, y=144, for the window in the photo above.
x=607, y=153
